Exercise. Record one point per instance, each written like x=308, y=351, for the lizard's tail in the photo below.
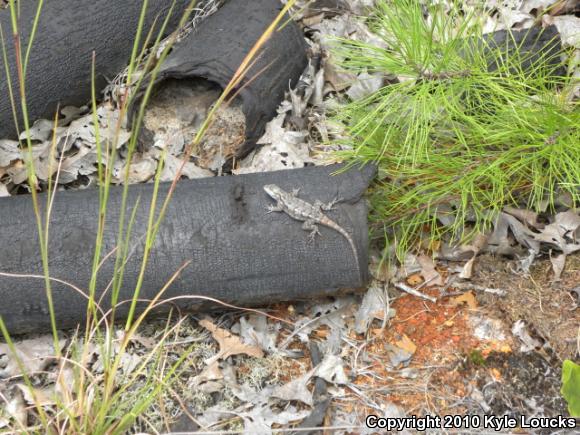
x=353, y=248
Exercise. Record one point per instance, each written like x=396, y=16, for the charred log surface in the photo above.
x=59, y=67
x=234, y=251
x=215, y=50
x=533, y=46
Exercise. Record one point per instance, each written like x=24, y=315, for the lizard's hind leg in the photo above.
x=311, y=226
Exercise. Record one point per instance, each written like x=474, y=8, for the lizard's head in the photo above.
x=274, y=191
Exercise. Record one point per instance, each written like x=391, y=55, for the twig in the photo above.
x=414, y=292
x=470, y=286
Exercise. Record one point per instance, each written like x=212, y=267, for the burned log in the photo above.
x=60, y=62
x=218, y=227
x=217, y=48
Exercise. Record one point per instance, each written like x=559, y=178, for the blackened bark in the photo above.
x=236, y=252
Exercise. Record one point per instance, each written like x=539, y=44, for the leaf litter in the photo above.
x=423, y=352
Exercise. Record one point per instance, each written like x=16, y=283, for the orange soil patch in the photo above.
x=439, y=330
x=441, y=336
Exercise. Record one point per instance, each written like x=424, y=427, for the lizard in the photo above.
x=311, y=214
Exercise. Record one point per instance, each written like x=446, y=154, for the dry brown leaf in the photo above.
x=434, y=245
x=430, y=274
x=405, y=343
x=296, y=389
x=324, y=333
x=569, y=221
x=382, y=270
x=38, y=396
x=558, y=264
x=478, y=243
x=146, y=342
x=529, y=217
x=212, y=372
x=229, y=343
x=208, y=379
x=34, y=354
x=377, y=332
x=467, y=298
x=313, y=20
x=338, y=80
x=415, y=279
x=331, y=369
x=16, y=410
x=365, y=85
x=65, y=387
x=496, y=374
x=467, y=270
x=555, y=234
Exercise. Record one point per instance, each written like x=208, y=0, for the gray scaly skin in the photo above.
x=310, y=214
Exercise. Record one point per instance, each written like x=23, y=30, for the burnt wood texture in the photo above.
x=59, y=68
x=215, y=50
x=236, y=251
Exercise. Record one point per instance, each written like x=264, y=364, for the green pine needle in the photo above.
x=452, y=136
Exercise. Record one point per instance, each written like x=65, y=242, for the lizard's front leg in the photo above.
x=326, y=207
x=274, y=208
x=310, y=225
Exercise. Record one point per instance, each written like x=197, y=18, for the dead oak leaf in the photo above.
x=429, y=272
x=402, y=341
x=33, y=354
x=415, y=279
x=466, y=298
x=38, y=396
x=558, y=264
x=229, y=343
x=14, y=410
